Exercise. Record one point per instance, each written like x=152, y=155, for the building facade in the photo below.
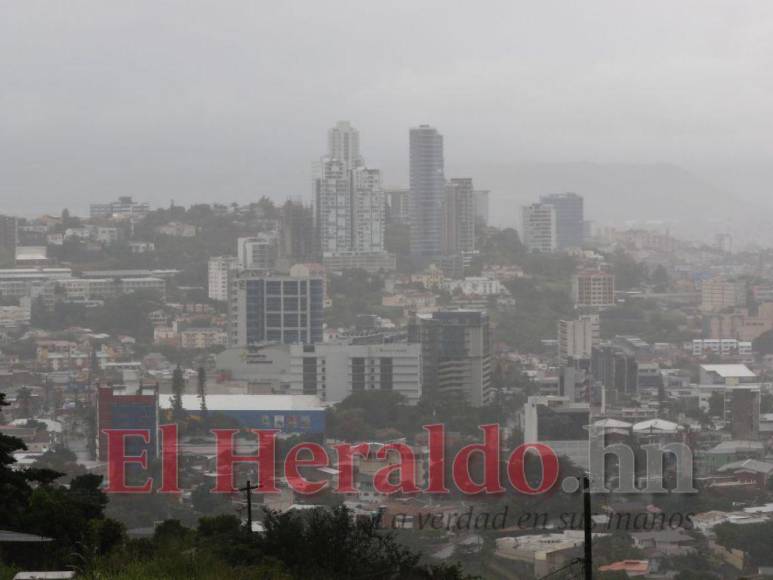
x=459, y=217
x=348, y=198
x=333, y=371
x=266, y=308
x=456, y=354
x=539, y=227
x=576, y=338
x=8, y=241
x=219, y=270
x=594, y=289
x=569, y=218
x=427, y=185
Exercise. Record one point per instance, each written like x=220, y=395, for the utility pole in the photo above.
x=248, y=490
x=588, y=560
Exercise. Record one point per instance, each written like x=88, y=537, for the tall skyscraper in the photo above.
x=348, y=199
x=297, y=237
x=368, y=206
x=284, y=309
x=459, y=217
x=455, y=354
x=427, y=184
x=343, y=144
x=481, y=206
x=333, y=206
x=8, y=241
x=398, y=201
x=569, y=218
x=539, y=227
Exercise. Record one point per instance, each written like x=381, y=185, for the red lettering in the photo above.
x=226, y=459
x=117, y=460
x=490, y=451
x=437, y=458
x=406, y=469
x=170, y=456
x=548, y=461
x=346, y=453
x=319, y=458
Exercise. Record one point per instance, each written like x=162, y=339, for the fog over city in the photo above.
x=652, y=111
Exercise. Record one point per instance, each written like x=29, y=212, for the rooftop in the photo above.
x=729, y=370
x=246, y=402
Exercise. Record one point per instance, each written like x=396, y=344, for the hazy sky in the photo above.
x=202, y=101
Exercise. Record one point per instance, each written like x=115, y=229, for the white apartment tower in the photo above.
x=343, y=144
x=348, y=198
x=219, y=270
x=539, y=227
x=576, y=338
x=369, y=205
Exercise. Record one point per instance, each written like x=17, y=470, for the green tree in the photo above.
x=202, y=385
x=178, y=387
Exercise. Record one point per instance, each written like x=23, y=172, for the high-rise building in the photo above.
x=220, y=268
x=617, y=371
x=333, y=206
x=427, y=184
x=368, y=206
x=348, y=198
x=577, y=337
x=459, y=217
x=569, y=218
x=594, y=289
x=8, y=240
x=539, y=227
x=297, y=238
x=398, y=202
x=742, y=411
x=268, y=308
x=481, y=206
x=343, y=144
x=455, y=353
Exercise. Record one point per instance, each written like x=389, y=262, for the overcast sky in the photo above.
x=204, y=101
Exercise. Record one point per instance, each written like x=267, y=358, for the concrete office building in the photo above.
x=456, y=354
x=593, y=289
x=560, y=423
x=270, y=308
x=333, y=371
x=427, y=185
x=617, y=371
x=257, y=252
